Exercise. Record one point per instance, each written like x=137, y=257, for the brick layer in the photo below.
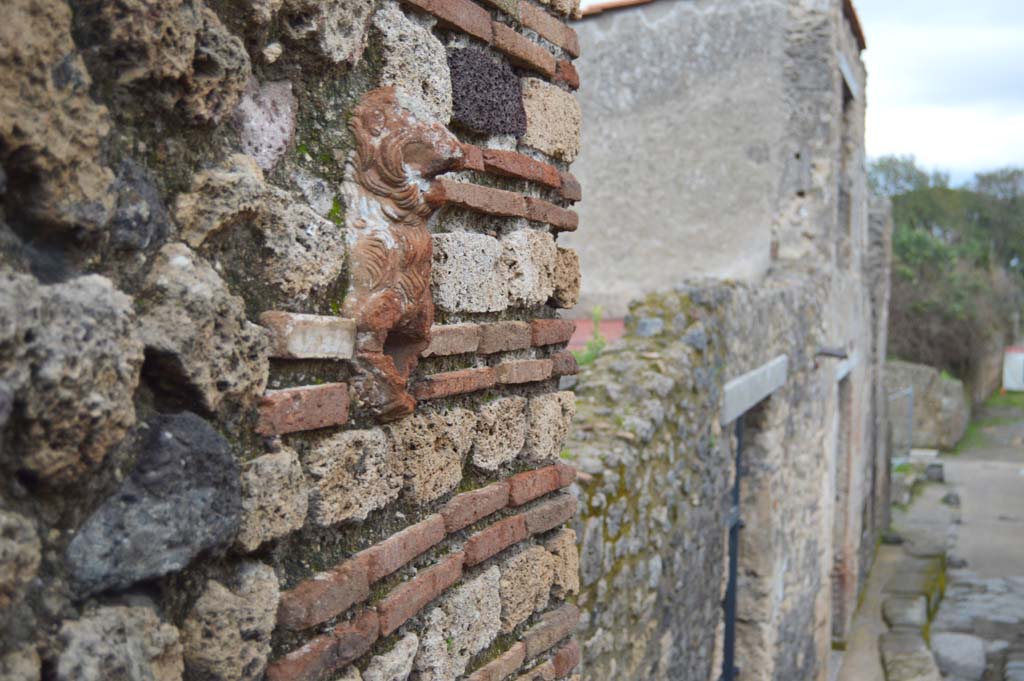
x=325, y=596
x=465, y=509
x=454, y=383
x=552, y=331
x=411, y=597
x=462, y=15
x=524, y=371
x=502, y=666
x=400, y=548
x=522, y=51
x=306, y=408
x=552, y=628
x=328, y=654
x=495, y=539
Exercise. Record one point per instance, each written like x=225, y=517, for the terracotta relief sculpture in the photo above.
x=390, y=246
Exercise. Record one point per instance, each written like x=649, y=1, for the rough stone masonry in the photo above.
x=279, y=347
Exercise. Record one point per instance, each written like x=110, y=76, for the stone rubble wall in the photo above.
x=941, y=407
x=656, y=470
x=279, y=346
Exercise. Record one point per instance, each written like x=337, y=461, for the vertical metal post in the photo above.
x=729, y=669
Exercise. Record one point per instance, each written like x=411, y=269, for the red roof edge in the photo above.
x=612, y=4
x=858, y=31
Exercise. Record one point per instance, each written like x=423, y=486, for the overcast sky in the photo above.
x=946, y=81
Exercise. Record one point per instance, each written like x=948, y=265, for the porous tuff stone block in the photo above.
x=504, y=336
x=522, y=51
x=396, y=664
x=553, y=627
x=455, y=383
x=453, y=339
x=275, y=498
x=494, y=539
x=394, y=552
x=411, y=597
x=463, y=623
x=432, y=448
x=487, y=96
x=552, y=331
x=20, y=555
x=111, y=640
x=352, y=473
x=531, y=258
x=70, y=362
x=415, y=63
x=552, y=120
x=549, y=417
x=526, y=580
x=266, y=120
x=469, y=507
x=226, y=636
x=330, y=653
x=550, y=514
x=309, y=336
x=566, y=282
x=467, y=276
x=337, y=31
x=462, y=15
x=503, y=666
x=523, y=371
x=500, y=432
x=197, y=335
x=163, y=514
x=324, y=596
x=307, y=408
x=566, y=563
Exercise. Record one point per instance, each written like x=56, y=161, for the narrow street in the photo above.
x=984, y=597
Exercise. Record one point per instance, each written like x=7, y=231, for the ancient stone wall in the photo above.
x=755, y=168
x=279, y=354
x=656, y=468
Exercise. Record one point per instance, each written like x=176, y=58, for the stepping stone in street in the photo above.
x=905, y=612
x=961, y=656
x=906, y=657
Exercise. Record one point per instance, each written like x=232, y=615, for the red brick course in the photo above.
x=550, y=514
x=503, y=666
x=325, y=596
x=523, y=371
x=549, y=27
x=530, y=485
x=564, y=364
x=326, y=655
x=475, y=197
x=397, y=550
x=570, y=187
x=552, y=628
x=566, y=659
x=522, y=51
x=409, y=598
x=463, y=15
x=552, y=331
x=562, y=219
x=504, y=336
x=473, y=158
x=454, y=383
x=465, y=509
x=495, y=539
x=305, y=408
x=453, y=339
x=566, y=474
x=566, y=73
x=521, y=166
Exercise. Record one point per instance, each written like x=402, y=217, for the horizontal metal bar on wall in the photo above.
x=742, y=393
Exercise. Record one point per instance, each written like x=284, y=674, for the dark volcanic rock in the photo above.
x=182, y=497
x=141, y=220
x=486, y=94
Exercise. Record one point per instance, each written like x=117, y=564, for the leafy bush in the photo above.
x=957, y=263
